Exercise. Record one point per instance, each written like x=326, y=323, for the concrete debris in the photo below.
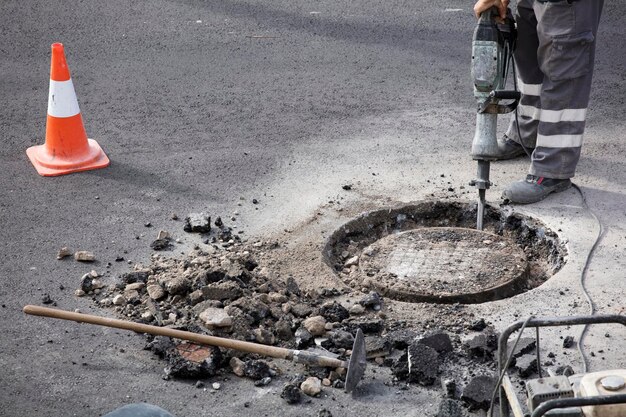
x=478, y=325
x=377, y=347
x=197, y=223
x=524, y=346
x=215, y=317
x=483, y=345
x=119, y=300
x=163, y=235
x=156, y=292
x=311, y=386
x=526, y=365
x=264, y=336
x=228, y=290
x=438, y=340
x=565, y=370
x=237, y=366
x=342, y=339
x=351, y=262
x=357, y=310
x=191, y=361
x=135, y=286
x=256, y=369
x=568, y=342
x=372, y=300
x=84, y=256
x=301, y=310
x=477, y=393
x=423, y=364
x=161, y=244
x=315, y=325
x=449, y=387
x=334, y=312
x=303, y=338
x=64, y=252
x=291, y=393
x=263, y=382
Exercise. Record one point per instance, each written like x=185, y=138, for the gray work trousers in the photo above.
x=555, y=55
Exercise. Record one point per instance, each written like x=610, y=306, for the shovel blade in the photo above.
x=358, y=362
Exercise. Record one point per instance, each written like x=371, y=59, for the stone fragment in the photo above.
x=237, y=366
x=216, y=386
x=301, y=310
x=423, y=362
x=377, y=346
x=368, y=326
x=326, y=382
x=197, y=223
x=256, y=369
x=45, y=299
x=119, y=300
x=568, y=342
x=334, y=312
x=478, y=325
x=566, y=370
x=283, y=330
x=292, y=286
x=195, y=297
x=526, y=365
x=311, y=386
x=303, y=338
x=134, y=276
x=136, y=286
x=156, y=292
x=215, y=317
x=79, y=293
x=199, y=384
x=163, y=234
x=477, y=393
x=450, y=408
x=84, y=256
x=161, y=244
x=264, y=336
x=228, y=290
x=351, y=261
x=291, y=394
x=357, y=309
x=371, y=300
x=315, y=325
x=130, y=295
x=482, y=345
x=64, y=252
x=278, y=298
x=176, y=284
x=342, y=339
x=438, y=340
x=147, y=315
x=263, y=382
x=524, y=346
x=402, y=338
x=449, y=386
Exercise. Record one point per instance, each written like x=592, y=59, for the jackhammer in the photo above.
x=492, y=58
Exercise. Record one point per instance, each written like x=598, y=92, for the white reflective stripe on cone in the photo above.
x=560, y=141
x=552, y=116
x=529, y=89
x=62, y=100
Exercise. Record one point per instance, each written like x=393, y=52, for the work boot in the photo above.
x=534, y=189
x=509, y=149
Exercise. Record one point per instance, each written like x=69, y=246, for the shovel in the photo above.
x=355, y=366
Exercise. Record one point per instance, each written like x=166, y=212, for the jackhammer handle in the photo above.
x=272, y=351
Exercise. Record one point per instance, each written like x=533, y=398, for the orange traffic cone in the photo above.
x=67, y=148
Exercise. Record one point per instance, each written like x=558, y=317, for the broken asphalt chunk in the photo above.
x=477, y=393
x=197, y=223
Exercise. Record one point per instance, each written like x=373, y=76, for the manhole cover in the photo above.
x=444, y=265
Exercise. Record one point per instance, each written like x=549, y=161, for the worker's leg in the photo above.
x=139, y=410
x=567, y=38
x=530, y=77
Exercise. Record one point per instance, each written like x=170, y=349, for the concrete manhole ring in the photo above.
x=444, y=264
x=535, y=253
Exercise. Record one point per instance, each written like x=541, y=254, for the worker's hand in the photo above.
x=483, y=5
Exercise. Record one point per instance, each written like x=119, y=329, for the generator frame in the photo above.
x=508, y=399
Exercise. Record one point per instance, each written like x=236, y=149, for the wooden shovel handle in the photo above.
x=273, y=351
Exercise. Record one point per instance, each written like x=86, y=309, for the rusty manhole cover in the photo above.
x=444, y=265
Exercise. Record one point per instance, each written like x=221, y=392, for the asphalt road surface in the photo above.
x=201, y=105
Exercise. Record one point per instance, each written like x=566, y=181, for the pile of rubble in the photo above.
x=226, y=289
